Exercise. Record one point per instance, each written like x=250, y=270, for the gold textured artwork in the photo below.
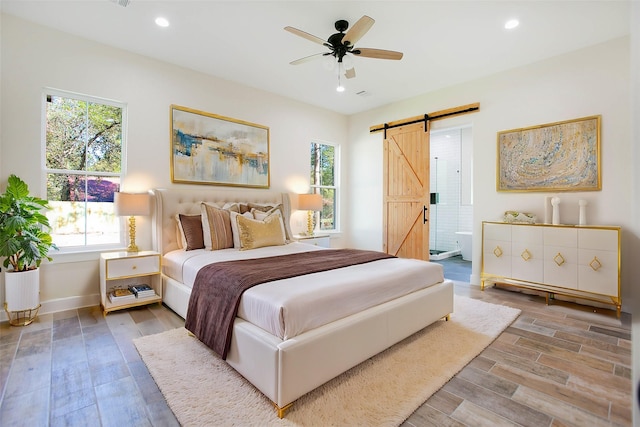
x=211, y=149
x=561, y=156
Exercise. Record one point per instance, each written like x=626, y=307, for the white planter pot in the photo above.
x=22, y=290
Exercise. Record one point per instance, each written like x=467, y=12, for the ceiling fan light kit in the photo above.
x=341, y=47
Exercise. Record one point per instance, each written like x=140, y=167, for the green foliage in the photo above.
x=322, y=164
x=83, y=137
x=323, y=178
x=24, y=239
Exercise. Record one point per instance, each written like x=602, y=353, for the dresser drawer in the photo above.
x=135, y=266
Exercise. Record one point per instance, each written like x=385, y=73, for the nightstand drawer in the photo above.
x=136, y=266
x=322, y=240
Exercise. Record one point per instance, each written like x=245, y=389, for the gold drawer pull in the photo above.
x=526, y=255
x=595, y=264
x=134, y=267
x=559, y=259
x=497, y=252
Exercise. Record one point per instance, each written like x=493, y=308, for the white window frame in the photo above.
x=45, y=171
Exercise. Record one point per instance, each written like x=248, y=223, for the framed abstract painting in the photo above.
x=561, y=156
x=216, y=150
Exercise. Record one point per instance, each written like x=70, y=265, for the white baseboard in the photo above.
x=63, y=304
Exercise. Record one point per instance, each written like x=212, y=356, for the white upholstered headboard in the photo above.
x=169, y=202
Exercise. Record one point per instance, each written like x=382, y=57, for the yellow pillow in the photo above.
x=257, y=234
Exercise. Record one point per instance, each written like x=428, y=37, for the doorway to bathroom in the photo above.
x=451, y=187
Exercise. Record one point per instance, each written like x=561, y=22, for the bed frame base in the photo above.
x=286, y=370
x=283, y=410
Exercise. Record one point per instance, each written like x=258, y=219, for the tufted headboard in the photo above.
x=169, y=202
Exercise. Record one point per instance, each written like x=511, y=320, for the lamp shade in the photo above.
x=309, y=202
x=131, y=204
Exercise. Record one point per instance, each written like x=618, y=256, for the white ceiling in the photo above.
x=444, y=42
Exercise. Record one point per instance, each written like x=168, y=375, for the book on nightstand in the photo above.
x=142, y=291
x=119, y=295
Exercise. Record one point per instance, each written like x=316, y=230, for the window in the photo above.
x=324, y=180
x=83, y=165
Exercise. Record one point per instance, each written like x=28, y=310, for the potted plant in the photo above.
x=25, y=242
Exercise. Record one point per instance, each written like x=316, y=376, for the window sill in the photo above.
x=64, y=256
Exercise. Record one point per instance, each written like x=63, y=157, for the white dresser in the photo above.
x=578, y=261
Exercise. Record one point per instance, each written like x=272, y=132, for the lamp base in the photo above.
x=309, y=223
x=132, y=235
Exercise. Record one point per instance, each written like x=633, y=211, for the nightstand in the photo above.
x=119, y=270
x=322, y=240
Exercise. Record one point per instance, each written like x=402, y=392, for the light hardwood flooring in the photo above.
x=557, y=365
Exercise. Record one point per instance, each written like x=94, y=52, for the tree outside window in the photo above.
x=83, y=168
x=324, y=180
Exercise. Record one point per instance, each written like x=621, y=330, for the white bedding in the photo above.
x=287, y=308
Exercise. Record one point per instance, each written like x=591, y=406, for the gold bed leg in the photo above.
x=447, y=317
x=283, y=410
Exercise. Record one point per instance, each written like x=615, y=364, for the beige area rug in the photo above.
x=202, y=390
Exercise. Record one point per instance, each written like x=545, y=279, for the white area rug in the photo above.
x=202, y=390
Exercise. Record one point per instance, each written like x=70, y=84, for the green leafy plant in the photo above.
x=24, y=237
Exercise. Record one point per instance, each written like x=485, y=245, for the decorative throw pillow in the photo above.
x=216, y=225
x=232, y=207
x=190, y=232
x=268, y=208
x=257, y=234
x=234, y=226
x=261, y=215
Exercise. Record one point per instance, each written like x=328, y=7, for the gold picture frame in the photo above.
x=560, y=156
x=215, y=150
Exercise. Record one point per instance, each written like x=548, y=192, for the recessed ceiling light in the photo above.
x=162, y=22
x=511, y=24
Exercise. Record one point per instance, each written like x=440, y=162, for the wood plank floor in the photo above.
x=557, y=365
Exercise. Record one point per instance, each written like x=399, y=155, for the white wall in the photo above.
x=34, y=57
x=587, y=82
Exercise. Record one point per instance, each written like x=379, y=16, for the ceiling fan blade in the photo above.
x=307, y=58
x=305, y=35
x=377, y=53
x=350, y=73
x=358, y=30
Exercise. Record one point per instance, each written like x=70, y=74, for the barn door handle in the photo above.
x=424, y=214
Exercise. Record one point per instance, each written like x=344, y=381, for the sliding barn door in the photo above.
x=406, y=191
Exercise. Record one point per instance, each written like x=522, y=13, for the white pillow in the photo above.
x=234, y=226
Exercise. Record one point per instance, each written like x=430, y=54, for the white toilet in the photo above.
x=466, y=243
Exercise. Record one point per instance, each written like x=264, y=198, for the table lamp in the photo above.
x=310, y=203
x=131, y=205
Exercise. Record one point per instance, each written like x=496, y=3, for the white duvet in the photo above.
x=289, y=307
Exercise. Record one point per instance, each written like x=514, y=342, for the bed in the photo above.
x=284, y=364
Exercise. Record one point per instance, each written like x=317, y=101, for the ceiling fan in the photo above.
x=342, y=44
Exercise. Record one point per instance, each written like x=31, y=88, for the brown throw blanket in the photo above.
x=216, y=292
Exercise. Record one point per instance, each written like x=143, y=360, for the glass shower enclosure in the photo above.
x=450, y=211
